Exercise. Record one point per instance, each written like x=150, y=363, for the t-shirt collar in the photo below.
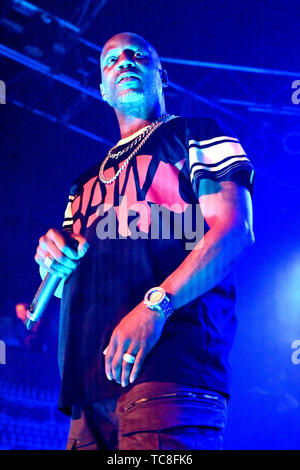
x=130, y=137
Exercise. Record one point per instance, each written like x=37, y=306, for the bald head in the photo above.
x=132, y=76
x=132, y=38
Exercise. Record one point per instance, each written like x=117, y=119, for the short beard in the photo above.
x=130, y=101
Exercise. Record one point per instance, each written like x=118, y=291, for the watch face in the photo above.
x=156, y=296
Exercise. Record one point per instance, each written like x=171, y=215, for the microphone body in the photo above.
x=45, y=292
x=41, y=299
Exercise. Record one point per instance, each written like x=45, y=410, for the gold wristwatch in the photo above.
x=157, y=299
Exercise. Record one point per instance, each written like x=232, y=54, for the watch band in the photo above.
x=166, y=307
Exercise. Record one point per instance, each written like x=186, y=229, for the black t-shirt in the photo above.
x=140, y=228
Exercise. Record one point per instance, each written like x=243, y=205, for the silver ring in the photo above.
x=48, y=262
x=128, y=358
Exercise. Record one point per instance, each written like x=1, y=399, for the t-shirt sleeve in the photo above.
x=68, y=227
x=68, y=216
x=215, y=153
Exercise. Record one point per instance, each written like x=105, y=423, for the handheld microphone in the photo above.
x=41, y=299
x=44, y=294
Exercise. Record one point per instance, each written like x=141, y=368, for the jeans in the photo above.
x=152, y=416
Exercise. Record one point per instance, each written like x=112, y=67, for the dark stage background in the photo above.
x=235, y=60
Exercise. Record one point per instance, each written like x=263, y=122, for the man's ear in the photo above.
x=102, y=92
x=164, y=78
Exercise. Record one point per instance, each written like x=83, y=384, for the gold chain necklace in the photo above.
x=132, y=144
x=144, y=136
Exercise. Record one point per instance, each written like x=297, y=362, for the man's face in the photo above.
x=131, y=72
x=21, y=311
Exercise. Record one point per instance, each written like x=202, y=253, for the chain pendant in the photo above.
x=149, y=132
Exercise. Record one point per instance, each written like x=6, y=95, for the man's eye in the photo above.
x=111, y=60
x=139, y=55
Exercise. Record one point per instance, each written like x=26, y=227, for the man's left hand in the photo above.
x=136, y=334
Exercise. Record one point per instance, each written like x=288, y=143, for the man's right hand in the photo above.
x=61, y=258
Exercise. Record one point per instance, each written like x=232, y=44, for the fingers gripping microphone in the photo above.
x=44, y=295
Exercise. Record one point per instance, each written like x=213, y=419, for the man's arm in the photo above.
x=227, y=210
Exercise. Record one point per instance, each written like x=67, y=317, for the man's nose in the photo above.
x=125, y=60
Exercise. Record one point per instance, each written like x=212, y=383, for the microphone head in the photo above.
x=29, y=322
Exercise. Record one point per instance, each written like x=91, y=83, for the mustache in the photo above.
x=127, y=73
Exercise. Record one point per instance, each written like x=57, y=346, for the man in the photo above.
x=147, y=320
x=21, y=311
x=30, y=339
